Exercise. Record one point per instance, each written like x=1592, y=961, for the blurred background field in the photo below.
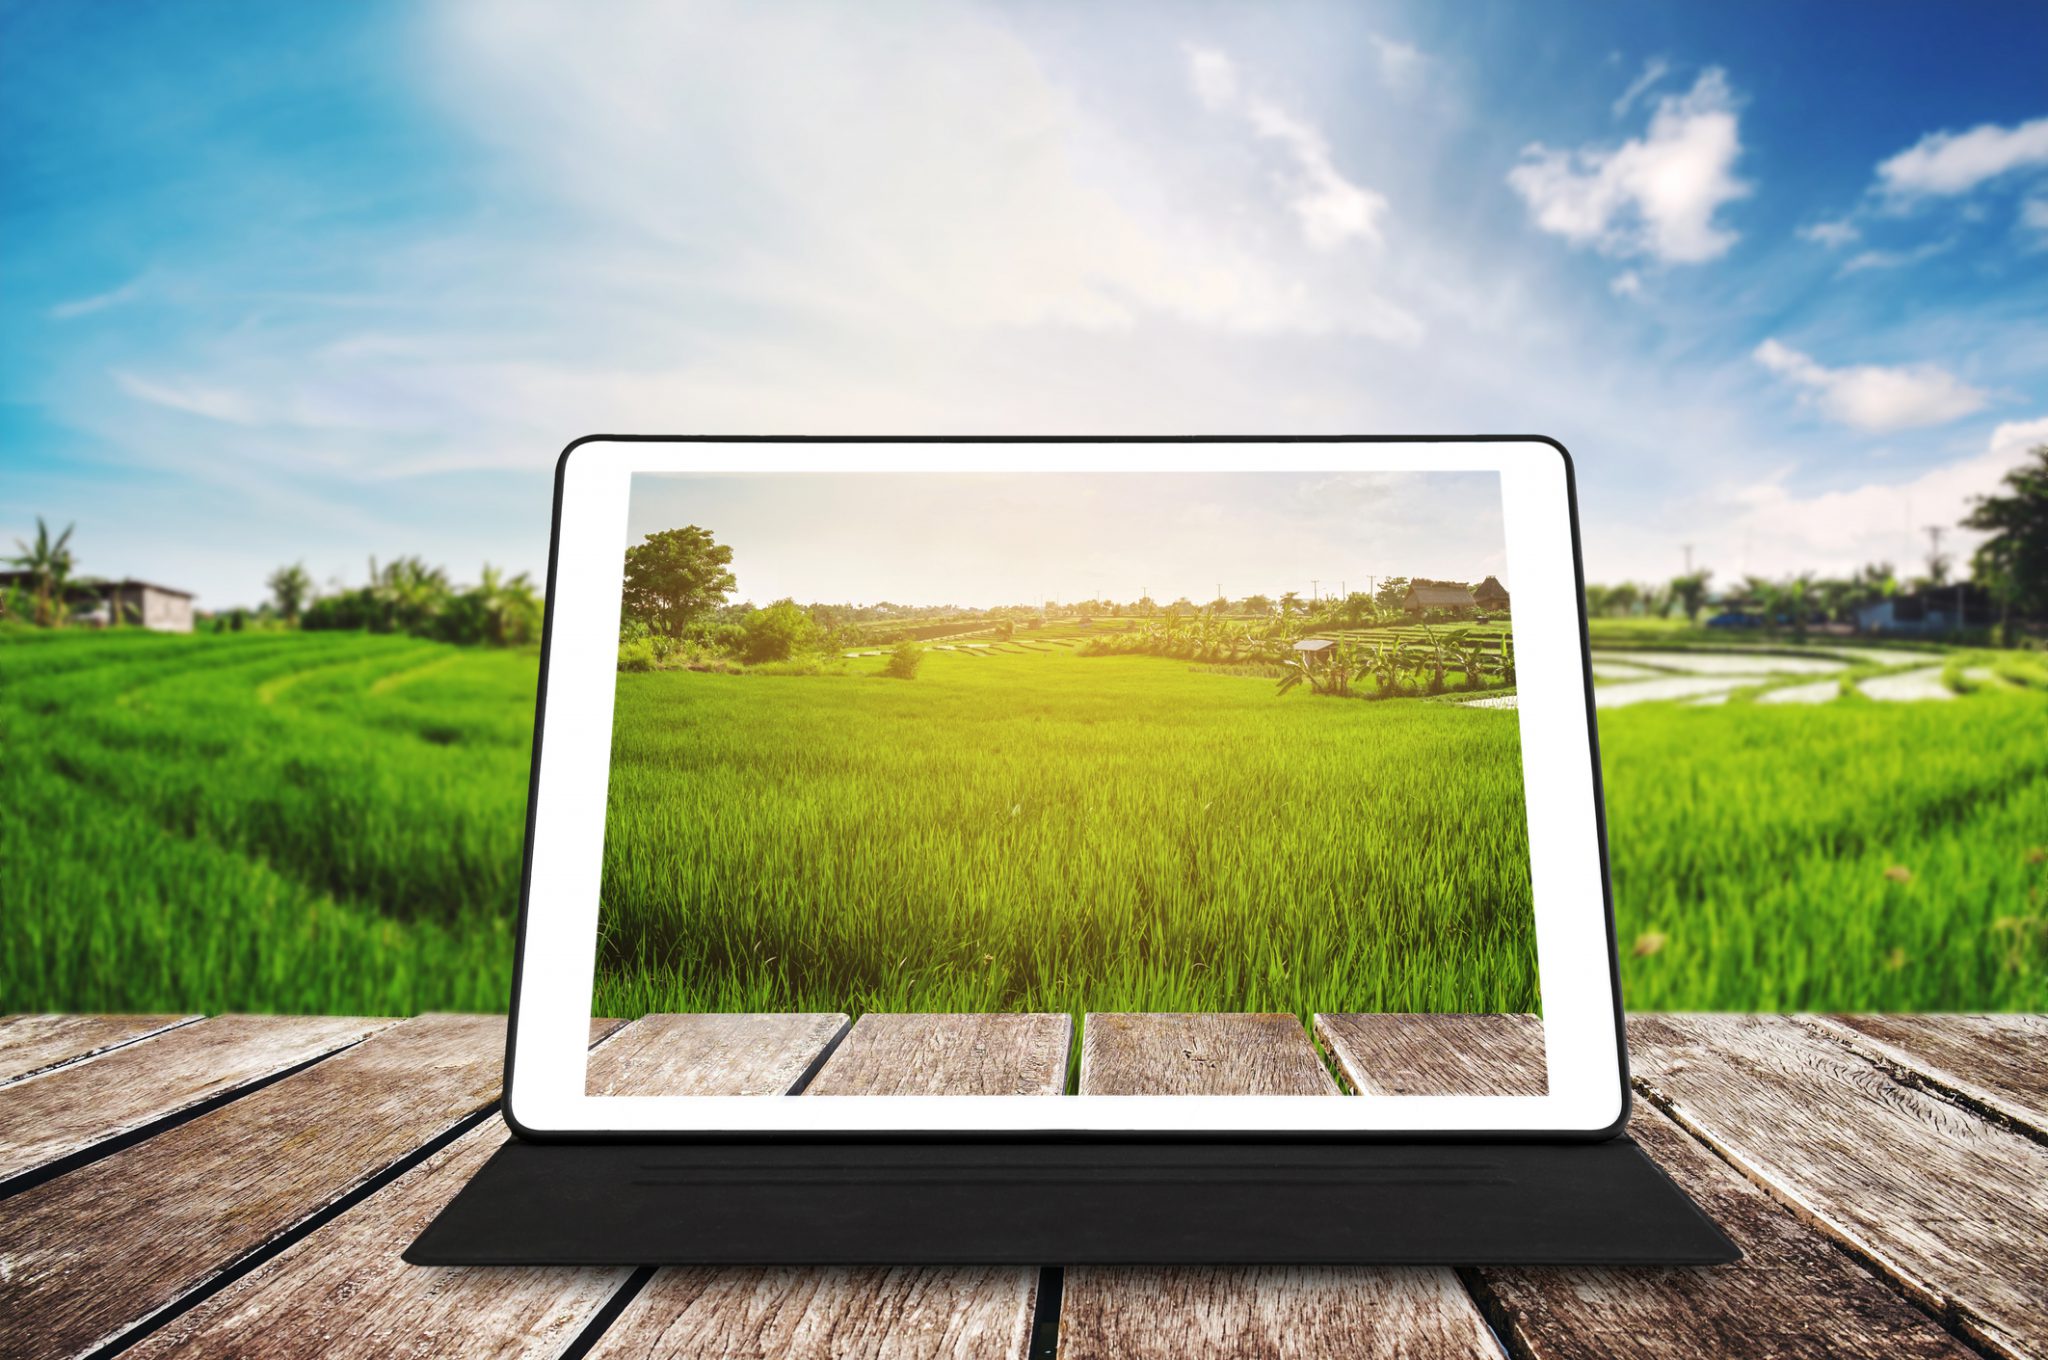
x=332, y=822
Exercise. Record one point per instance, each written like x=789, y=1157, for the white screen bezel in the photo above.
x=551, y=1009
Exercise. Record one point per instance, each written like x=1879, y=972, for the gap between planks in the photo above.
x=33, y=1044
x=95, y=1256
x=72, y=1109
x=1173, y=1313
x=1950, y=1208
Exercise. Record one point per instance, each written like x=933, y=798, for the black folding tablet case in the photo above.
x=1063, y=1203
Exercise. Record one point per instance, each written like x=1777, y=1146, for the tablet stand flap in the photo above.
x=933, y=1203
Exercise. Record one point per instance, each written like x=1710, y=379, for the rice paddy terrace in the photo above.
x=332, y=822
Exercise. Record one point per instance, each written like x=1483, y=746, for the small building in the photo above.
x=1315, y=651
x=1934, y=611
x=1490, y=594
x=129, y=603
x=1737, y=617
x=1424, y=596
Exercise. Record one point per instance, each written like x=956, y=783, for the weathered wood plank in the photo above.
x=1301, y=1312
x=75, y=1106
x=35, y=1043
x=712, y=1055
x=1354, y=1312
x=1437, y=1055
x=887, y=1313
x=88, y=1255
x=978, y=1055
x=1189, y=1054
x=827, y=1314
x=1950, y=1205
x=343, y=1292
x=1998, y=1062
x=1793, y=1296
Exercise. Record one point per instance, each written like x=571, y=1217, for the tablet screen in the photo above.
x=1070, y=741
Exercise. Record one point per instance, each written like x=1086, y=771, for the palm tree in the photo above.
x=1290, y=602
x=1690, y=591
x=409, y=591
x=1796, y=597
x=291, y=587
x=510, y=606
x=48, y=563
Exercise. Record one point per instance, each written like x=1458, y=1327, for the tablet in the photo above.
x=1088, y=726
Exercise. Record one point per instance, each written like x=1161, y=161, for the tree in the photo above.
x=506, y=609
x=2013, y=563
x=1357, y=607
x=1260, y=605
x=48, y=563
x=1290, y=602
x=676, y=577
x=1796, y=598
x=904, y=660
x=408, y=593
x=290, y=587
x=1690, y=591
x=777, y=632
x=1391, y=593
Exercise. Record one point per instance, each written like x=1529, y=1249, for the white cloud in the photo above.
x=1869, y=397
x=1949, y=163
x=1627, y=283
x=1654, y=70
x=1401, y=64
x=1330, y=208
x=194, y=399
x=826, y=163
x=98, y=302
x=1891, y=259
x=1772, y=530
x=1834, y=235
x=2034, y=215
x=1653, y=195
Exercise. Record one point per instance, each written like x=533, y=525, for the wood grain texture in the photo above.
x=1999, y=1062
x=1437, y=1055
x=704, y=1313
x=343, y=1292
x=1136, y=1312
x=711, y=1055
x=33, y=1043
x=72, y=1107
x=1793, y=1296
x=1192, y=1054
x=1951, y=1206
x=883, y=1313
x=86, y=1256
x=1303, y=1313
x=980, y=1055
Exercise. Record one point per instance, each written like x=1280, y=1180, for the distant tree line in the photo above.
x=406, y=595
x=2011, y=565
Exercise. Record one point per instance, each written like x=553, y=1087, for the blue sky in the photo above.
x=317, y=282
x=988, y=539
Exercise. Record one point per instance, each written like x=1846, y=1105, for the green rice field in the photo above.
x=1033, y=829
x=332, y=822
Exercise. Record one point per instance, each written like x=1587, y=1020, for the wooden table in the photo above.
x=243, y=1186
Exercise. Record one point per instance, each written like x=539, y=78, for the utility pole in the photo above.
x=1314, y=590
x=1688, y=558
x=1934, y=533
